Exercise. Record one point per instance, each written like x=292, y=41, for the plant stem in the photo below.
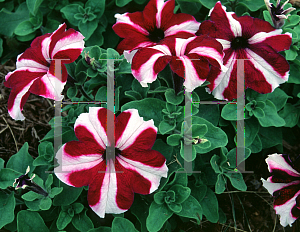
x=178, y=82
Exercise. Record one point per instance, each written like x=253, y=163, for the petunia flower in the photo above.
x=195, y=59
x=24, y=182
x=247, y=38
x=156, y=22
x=278, y=14
x=284, y=185
x=35, y=71
x=137, y=168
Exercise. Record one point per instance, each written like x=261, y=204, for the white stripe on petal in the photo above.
x=150, y=173
x=223, y=79
x=91, y=122
x=108, y=192
x=261, y=36
x=272, y=187
x=191, y=77
x=54, y=87
x=24, y=63
x=189, y=26
x=210, y=52
x=123, y=18
x=276, y=161
x=225, y=43
x=160, y=5
x=271, y=76
x=180, y=45
x=45, y=49
x=235, y=25
x=74, y=41
x=135, y=126
x=145, y=74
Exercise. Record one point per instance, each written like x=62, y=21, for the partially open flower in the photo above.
x=25, y=182
x=195, y=59
x=284, y=185
x=35, y=71
x=137, y=168
x=155, y=23
x=250, y=39
x=278, y=14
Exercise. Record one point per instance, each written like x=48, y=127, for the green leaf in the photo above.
x=251, y=130
x=101, y=229
x=30, y=221
x=49, y=182
x=191, y=209
x=214, y=162
x=159, y=197
x=82, y=222
x=214, y=135
x=176, y=208
x=187, y=155
x=69, y=11
x=163, y=148
x=21, y=160
x=208, y=3
x=172, y=98
x=68, y=195
x=31, y=196
x=291, y=54
x=158, y=215
x=270, y=136
x=149, y=108
x=1, y=163
x=220, y=184
x=63, y=220
x=256, y=145
x=237, y=180
x=292, y=21
x=9, y=20
x=199, y=192
x=230, y=113
x=174, y=140
x=122, y=225
x=267, y=17
x=96, y=6
x=165, y=127
x=210, y=206
x=252, y=5
x=232, y=155
x=55, y=191
x=45, y=203
x=278, y=97
x=77, y=207
x=133, y=95
x=121, y=3
x=271, y=117
x=7, y=206
x=101, y=94
x=180, y=178
x=33, y=5
x=140, y=209
x=290, y=114
x=8, y=176
x=181, y=193
x=72, y=92
x=258, y=112
x=87, y=28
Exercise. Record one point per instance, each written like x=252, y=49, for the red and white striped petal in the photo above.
x=148, y=62
x=129, y=126
x=284, y=185
x=94, y=123
x=20, y=89
x=66, y=44
x=77, y=158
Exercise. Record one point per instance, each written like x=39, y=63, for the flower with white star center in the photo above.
x=112, y=183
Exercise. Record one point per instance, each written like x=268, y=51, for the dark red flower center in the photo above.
x=156, y=35
x=106, y=155
x=239, y=42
